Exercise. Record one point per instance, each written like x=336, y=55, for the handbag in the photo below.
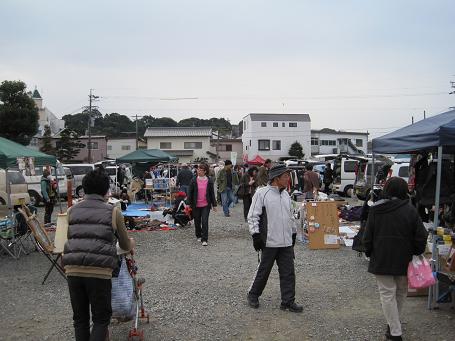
x=122, y=295
x=241, y=191
x=420, y=274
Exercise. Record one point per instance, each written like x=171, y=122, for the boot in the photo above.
x=253, y=301
x=292, y=307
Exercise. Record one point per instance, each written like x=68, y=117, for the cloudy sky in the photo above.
x=350, y=64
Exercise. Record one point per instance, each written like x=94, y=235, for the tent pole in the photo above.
x=58, y=189
x=8, y=193
x=438, y=187
x=433, y=291
x=373, y=174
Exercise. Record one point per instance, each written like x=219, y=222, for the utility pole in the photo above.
x=89, y=146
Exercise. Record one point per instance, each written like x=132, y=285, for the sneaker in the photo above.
x=199, y=240
x=227, y=215
x=204, y=243
x=292, y=307
x=253, y=302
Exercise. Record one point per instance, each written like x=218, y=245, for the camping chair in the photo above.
x=43, y=242
x=7, y=240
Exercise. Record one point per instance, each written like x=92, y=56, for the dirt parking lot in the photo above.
x=199, y=293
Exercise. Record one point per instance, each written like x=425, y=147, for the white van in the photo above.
x=344, y=172
x=18, y=188
x=34, y=183
x=79, y=170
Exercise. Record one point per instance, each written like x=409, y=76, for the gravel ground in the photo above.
x=199, y=293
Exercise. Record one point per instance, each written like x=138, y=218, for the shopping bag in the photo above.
x=122, y=296
x=420, y=274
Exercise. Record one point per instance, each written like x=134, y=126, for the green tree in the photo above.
x=79, y=122
x=296, y=150
x=69, y=145
x=47, y=147
x=115, y=124
x=18, y=113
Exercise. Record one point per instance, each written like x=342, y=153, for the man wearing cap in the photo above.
x=226, y=181
x=273, y=228
x=184, y=178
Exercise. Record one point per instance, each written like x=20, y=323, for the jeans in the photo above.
x=201, y=217
x=227, y=197
x=392, y=291
x=93, y=294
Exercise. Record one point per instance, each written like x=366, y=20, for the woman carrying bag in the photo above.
x=201, y=197
x=247, y=188
x=394, y=233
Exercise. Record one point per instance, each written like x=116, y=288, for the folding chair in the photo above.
x=43, y=242
x=7, y=240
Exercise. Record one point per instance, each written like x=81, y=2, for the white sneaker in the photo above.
x=204, y=243
x=199, y=240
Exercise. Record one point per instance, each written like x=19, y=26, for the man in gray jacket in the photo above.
x=273, y=228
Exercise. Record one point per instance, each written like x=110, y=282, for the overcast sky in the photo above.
x=350, y=64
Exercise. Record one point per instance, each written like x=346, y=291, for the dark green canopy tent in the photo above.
x=142, y=159
x=146, y=155
x=10, y=151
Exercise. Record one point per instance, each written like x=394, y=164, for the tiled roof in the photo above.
x=281, y=117
x=178, y=131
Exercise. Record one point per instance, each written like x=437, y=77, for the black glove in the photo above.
x=257, y=241
x=294, y=235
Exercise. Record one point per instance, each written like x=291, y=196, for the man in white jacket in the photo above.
x=273, y=228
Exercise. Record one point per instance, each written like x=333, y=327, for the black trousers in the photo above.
x=48, y=209
x=246, y=204
x=284, y=257
x=201, y=222
x=90, y=294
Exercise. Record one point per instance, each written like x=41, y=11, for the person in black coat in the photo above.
x=201, y=197
x=394, y=233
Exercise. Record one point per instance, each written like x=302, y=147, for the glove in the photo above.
x=294, y=235
x=257, y=242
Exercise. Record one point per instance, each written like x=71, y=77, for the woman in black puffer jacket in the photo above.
x=394, y=233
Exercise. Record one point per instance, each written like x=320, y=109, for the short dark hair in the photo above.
x=96, y=182
x=396, y=187
x=251, y=170
x=205, y=167
x=309, y=167
x=267, y=161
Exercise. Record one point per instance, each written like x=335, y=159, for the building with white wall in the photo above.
x=187, y=143
x=46, y=118
x=271, y=135
x=122, y=145
x=330, y=141
x=225, y=148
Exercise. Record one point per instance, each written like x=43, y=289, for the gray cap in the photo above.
x=277, y=170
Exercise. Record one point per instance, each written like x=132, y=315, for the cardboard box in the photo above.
x=323, y=225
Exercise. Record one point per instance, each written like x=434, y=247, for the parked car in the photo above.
x=78, y=171
x=344, y=173
x=18, y=188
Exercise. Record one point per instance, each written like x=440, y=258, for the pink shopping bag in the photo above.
x=420, y=274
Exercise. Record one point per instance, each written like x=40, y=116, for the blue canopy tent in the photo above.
x=431, y=134
x=427, y=134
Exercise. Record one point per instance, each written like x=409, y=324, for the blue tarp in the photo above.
x=426, y=134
